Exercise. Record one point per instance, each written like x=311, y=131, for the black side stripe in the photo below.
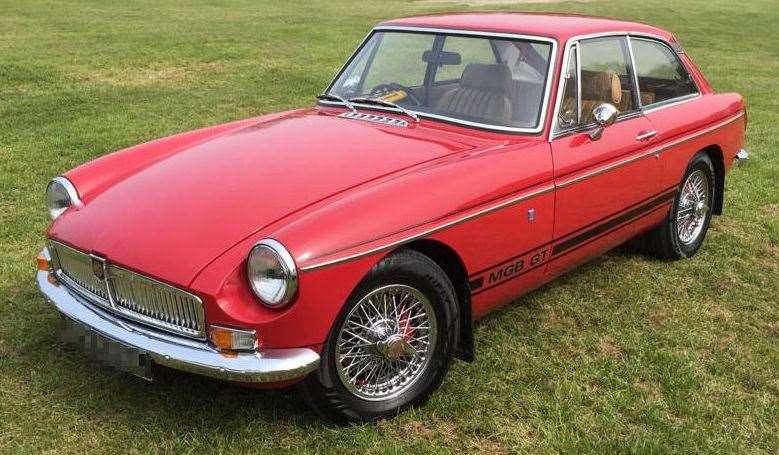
x=476, y=283
x=608, y=225
x=598, y=228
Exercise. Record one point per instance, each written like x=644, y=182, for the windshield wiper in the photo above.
x=381, y=102
x=331, y=97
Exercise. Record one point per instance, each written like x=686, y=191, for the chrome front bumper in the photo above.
x=269, y=365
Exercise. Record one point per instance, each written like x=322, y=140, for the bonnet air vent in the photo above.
x=375, y=118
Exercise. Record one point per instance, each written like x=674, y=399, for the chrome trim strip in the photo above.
x=514, y=200
x=652, y=151
x=72, y=285
x=451, y=31
x=109, y=287
x=671, y=102
x=561, y=85
x=578, y=82
x=464, y=32
x=269, y=365
x=634, y=69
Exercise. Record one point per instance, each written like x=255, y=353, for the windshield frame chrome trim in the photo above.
x=551, y=70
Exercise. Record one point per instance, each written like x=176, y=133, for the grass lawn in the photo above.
x=624, y=355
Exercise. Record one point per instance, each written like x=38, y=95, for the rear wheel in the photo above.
x=391, y=345
x=684, y=229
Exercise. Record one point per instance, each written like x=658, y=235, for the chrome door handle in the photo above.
x=646, y=135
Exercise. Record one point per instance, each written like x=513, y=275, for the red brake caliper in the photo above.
x=405, y=324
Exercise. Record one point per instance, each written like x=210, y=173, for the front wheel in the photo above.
x=391, y=345
x=683, y=230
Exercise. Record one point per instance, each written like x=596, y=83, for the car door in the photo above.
x=598, y=181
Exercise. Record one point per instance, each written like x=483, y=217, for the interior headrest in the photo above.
x=495, y=78
x=601, y=86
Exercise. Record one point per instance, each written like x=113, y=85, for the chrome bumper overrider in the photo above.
x=269, y=365
x=741, y=157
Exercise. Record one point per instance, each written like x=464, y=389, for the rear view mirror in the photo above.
x=444, y=58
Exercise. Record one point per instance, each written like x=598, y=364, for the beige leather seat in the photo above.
x=647, y=98
x=597, y=87
x=481, y=93
x=601, y=87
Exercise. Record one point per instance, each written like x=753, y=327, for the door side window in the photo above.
x=606, y=76
x=661, y=76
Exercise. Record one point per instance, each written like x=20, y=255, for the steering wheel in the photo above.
x=383, y=89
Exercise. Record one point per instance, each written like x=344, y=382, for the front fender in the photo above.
x=228, y=299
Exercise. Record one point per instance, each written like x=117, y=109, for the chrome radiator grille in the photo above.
x=129, y=294
x=155, y=302
x=78, y=267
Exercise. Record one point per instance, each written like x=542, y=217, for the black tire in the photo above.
x=664, y=241
x=324, y=390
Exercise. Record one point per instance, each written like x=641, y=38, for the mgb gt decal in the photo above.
x=514, y=267
x=519, y=265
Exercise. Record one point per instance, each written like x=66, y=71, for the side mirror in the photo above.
x=605, y=114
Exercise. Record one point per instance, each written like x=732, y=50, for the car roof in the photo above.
x=553, y=25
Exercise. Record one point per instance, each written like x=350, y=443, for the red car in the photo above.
x=455, y=162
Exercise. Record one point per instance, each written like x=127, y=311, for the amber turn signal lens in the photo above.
x=43, y=263
x=227, y=339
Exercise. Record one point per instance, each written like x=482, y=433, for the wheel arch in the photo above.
x=451, y=263
x=714, y=152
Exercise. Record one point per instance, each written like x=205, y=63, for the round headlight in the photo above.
x=60, y=194
x=272, y=273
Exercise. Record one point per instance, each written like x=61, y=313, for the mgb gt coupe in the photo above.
x=454, y=163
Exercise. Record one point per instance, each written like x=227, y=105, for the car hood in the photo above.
x=169, y=219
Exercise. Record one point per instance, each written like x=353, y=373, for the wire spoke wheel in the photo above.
x=693, y=207
x=386, y=342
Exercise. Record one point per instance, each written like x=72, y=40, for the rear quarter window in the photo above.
x=661, y=76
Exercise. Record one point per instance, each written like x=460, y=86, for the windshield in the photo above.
x=486, y=81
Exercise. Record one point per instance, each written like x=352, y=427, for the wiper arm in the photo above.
x=381, y=102
x=331, y=97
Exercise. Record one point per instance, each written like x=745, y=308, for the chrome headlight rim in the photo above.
x=286, y=262
x=70, y=191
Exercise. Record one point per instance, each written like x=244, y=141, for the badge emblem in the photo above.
x=97, y=267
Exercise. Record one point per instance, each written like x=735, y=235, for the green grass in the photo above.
x=624, y=355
